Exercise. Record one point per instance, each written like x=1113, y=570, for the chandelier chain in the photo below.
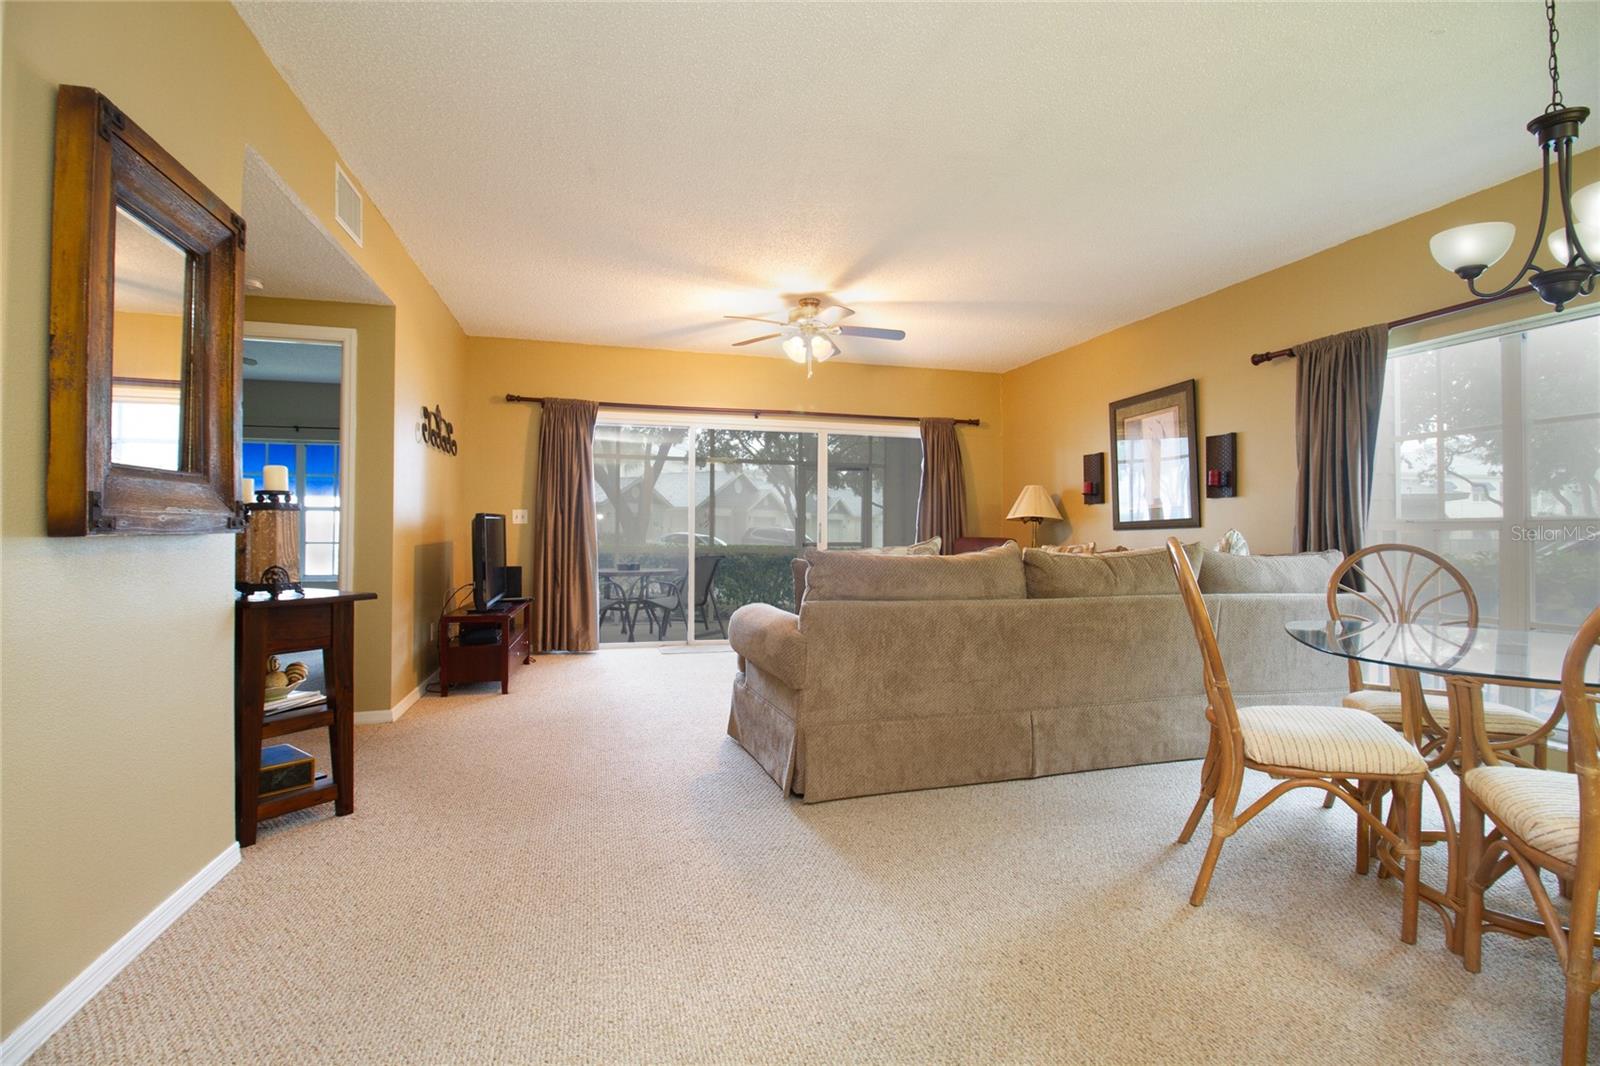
x=1556, y=102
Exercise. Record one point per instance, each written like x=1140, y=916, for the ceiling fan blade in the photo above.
x=752, y=340
x=868, y=331
x=833, y=314
x=751, y=318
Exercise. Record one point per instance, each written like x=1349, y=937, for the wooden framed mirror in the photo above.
x=146, y=331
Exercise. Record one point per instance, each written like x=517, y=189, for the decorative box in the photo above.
x=285, y=768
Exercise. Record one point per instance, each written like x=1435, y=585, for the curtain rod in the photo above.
x=1437, y=312
x=753, y=412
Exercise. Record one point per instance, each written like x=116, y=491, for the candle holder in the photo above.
x=268, y=556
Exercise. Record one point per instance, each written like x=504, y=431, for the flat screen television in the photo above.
x=488, y=560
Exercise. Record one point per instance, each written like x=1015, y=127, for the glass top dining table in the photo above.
x=1486, y=652
x=1472, y=656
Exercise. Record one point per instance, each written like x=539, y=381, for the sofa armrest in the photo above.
x=771, y=639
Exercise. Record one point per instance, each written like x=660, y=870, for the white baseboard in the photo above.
x=31, y=1034
x=393, y=714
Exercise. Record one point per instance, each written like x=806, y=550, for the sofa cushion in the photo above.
x=991, y=574
x=797, y=568
x=1146, y=572
x=1309, y=572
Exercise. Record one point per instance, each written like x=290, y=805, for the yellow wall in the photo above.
x=499, y=476
x=1056, y=408
x=117, y=767
x=146, y=346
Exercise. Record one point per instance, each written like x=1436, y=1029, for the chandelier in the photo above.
x=1470, y=250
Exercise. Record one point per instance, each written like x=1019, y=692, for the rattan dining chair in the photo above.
x=1346, y=752
x=1543, y=820
x=1402, y=583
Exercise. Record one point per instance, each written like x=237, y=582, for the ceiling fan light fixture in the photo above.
x=795, y=348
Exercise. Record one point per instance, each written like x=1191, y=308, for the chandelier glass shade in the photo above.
x=1574, y=239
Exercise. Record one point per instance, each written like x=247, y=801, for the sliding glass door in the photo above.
x=695, y=521
x=641, y=507
x=759, y=512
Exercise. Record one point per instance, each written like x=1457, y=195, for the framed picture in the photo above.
x=1156, y=484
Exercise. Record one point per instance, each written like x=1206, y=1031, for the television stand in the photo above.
x=479, y=645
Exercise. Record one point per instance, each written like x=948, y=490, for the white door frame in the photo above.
x=346, y=339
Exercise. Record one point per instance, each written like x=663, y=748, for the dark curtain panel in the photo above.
x=942, y=503
x=1338, y=392
x=564, y=547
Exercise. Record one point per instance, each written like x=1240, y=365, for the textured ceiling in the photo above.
x=290, y=253
x=999, y=181
x=150, y=272
x=284, y=360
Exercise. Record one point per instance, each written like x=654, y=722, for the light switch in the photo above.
x=519, y=518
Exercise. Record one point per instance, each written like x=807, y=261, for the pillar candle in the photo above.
x=249, y=492
x=275, y=478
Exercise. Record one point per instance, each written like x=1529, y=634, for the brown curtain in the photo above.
x=564, y=547
x=942, y=503
x=1339, y=390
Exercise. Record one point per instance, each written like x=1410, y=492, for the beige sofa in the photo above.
x=909, y=673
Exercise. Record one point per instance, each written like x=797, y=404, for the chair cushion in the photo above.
x=1501, y=719
x=1226, y=572
x=1330, y=740
x=1540, y=806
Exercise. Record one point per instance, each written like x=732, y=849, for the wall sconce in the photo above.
x=1222, y=452
x=1094, y=478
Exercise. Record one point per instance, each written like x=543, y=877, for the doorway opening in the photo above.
x=299, y=412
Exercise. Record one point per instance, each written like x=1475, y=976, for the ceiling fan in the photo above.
x=809, y=330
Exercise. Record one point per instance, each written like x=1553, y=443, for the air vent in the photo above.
x=346, y=203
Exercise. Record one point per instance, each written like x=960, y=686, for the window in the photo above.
x=314, y=483
x=146, y=421
x=1489, y=454
x=745, y=499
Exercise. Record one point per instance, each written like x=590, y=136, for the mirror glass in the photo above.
x=148, y=341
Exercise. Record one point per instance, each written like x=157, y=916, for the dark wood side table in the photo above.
x=462, y=663
x=314, y=620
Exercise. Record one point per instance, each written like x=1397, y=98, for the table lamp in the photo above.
x=1033, y=506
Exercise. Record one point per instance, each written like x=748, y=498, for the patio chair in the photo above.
x=663, y=600
x=614, y=599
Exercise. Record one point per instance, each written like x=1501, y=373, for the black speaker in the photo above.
x=513, y=582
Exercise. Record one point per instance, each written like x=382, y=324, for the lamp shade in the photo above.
x=1478, y=245
x=1586, y=205
x=795, y=348
x=1034, y=502
x=1588, y=236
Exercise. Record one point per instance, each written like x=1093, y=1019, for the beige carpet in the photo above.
x=590, y=870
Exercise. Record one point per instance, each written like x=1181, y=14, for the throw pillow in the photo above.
x=1086, y=548
x=1146, y=572
x=991, y=574
x=1309, y=572
x=931, y=546
x=1233, y=543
